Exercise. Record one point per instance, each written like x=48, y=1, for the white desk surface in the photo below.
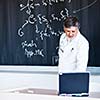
x=47, y=92
x=41, y=94
x=23, y=96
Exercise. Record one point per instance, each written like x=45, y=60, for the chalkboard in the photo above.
x=30, y=29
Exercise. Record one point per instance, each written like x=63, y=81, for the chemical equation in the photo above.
x=42, y=20
x=30, y=53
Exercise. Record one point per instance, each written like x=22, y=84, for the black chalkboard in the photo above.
x=30, y=29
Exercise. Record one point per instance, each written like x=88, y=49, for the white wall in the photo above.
x=19, y=77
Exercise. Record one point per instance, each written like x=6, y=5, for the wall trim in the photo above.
x=40, y=69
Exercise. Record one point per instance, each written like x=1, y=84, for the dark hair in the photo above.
x=71, y=21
